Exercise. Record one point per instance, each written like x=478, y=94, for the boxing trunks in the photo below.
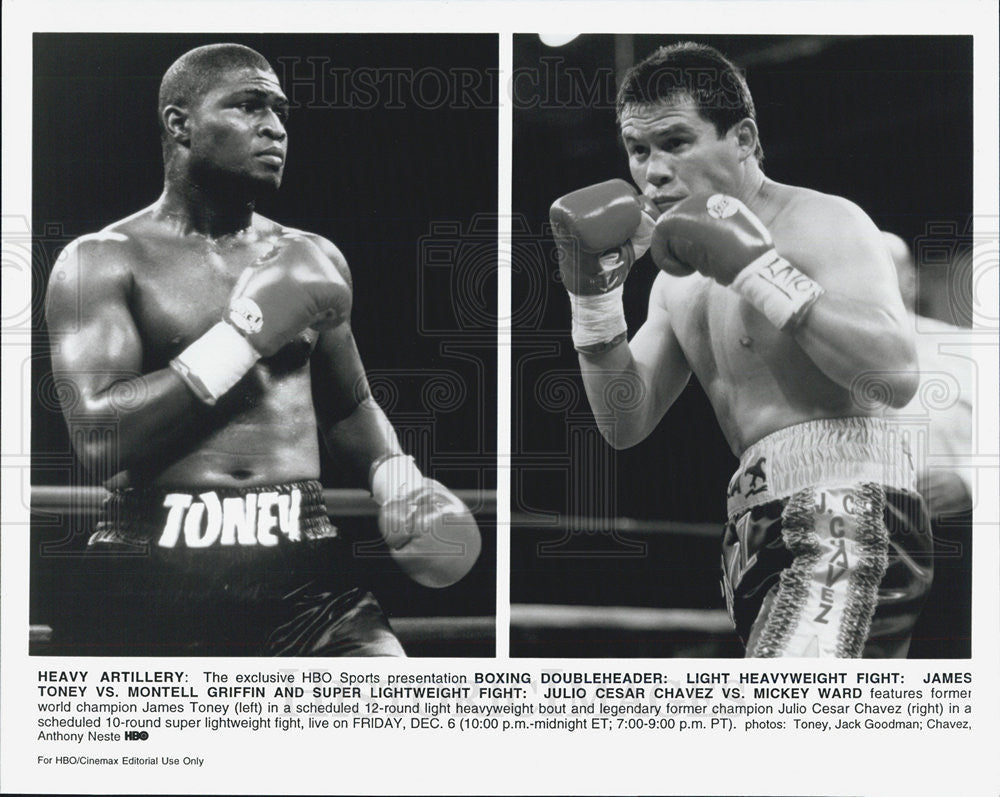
x=827, y=549
x=223, y=572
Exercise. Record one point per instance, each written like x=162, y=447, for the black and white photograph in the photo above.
x=743, y=299
x=262, y=378
x=418, y=397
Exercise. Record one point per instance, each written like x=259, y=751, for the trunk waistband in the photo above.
x=264, y=516
x=829, y=452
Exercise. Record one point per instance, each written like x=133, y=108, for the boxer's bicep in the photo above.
x=857, y=328
x=339, y=383
x=841, y=248
x=95, y=342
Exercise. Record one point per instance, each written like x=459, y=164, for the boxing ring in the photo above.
x=545, y=620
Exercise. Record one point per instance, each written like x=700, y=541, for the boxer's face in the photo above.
x=238, y=128
x=674, y=151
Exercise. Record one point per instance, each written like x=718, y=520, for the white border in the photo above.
x=584, y=764
x=504, y=395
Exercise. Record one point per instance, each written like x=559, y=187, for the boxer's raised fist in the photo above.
x=600, y=231
x=720, y=237
x=293, y=286
x=714, y=234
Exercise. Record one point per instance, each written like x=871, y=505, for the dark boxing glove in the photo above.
x=600, y=231
x=294, y=286
x=720, y=237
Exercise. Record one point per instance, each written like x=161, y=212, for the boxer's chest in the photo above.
x=721, y=334
x=178, y=293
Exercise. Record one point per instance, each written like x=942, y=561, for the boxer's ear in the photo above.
x=746, y=137
x=175, y=122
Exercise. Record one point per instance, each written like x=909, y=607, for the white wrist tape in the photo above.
x=598, y=320
x=394, y=477
x=778, y=289
x=215, y=362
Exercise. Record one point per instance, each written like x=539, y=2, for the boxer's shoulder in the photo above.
x=116, y=247
x=97, y=260
x=814, y=229
x=326, y=246
x=804, y=208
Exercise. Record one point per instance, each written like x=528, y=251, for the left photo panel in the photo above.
x=263, y=370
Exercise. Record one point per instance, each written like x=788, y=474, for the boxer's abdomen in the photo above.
x=261, y=432
x=758, y=379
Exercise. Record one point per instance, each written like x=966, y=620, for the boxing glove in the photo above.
x=600, y=231
x=720, y=237
x=293, y=286
x=430, y=533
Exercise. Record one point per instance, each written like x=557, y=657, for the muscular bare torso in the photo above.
x=176, y=287
x=758, y=378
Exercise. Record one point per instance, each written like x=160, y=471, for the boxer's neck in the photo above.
x=752, y=184
x=213, y=213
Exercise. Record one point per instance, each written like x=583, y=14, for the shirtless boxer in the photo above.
x=205, y=344
x=782, y=301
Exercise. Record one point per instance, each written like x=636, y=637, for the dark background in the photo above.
x=398, y=167
x=883, y=121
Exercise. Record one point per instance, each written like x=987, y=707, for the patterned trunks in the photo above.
x=827, y=551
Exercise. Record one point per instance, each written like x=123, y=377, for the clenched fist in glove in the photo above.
x=430, y=533
x=720, y=237
x=292, y=287
x=600, y=231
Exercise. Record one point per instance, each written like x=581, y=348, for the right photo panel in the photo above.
x=742, y=377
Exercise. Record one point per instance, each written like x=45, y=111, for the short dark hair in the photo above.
x=689, y=69
x=193, y=74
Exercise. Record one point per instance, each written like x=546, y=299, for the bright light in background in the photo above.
x=557, y=39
